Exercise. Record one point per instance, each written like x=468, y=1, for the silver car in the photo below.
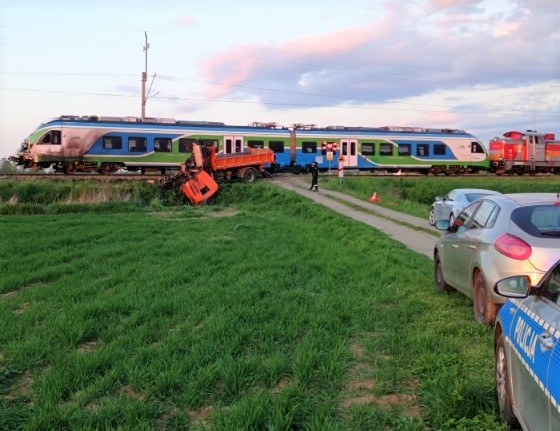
x=527, y=352
x=449, y=206
x=495, y=237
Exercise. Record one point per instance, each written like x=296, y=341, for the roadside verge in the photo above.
x=414, y=232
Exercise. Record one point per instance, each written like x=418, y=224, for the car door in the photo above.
x=473, y=246
x=451, y=244
x=535, y=361
x=446, y=206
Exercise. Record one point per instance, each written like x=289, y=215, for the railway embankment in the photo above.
x=414, y=232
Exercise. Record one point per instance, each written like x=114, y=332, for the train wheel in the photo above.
x=69, y=168
x=108, y=168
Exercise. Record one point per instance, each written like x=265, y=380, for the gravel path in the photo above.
x=397, y=225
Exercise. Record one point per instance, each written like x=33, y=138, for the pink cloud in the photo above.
x=439, y=5
x=185, y=20
x=240, y=63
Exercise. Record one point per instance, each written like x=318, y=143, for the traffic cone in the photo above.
x=374, y=198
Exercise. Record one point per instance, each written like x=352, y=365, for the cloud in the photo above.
x=185, y=20
x=390, y=58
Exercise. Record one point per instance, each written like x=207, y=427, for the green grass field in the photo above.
x=414, y=195
x=260, y=311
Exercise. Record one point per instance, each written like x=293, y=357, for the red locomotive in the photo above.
x=525, y=153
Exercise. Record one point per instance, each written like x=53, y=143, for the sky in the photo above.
x=486, y=67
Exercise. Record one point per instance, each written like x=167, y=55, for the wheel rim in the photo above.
x=480, y=298
x=501, y=376
x=439, y=275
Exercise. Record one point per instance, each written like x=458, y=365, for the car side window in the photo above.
x=554, y=286
x=485, y=216
x=465, y=217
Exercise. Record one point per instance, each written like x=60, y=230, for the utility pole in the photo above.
x=145, y=76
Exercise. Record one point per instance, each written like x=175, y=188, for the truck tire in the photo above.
x=250, y=175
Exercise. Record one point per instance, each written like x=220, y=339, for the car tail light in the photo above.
x=513, y=247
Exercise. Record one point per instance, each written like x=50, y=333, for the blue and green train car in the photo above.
x=107, y=144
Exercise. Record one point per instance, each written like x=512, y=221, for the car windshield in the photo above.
x=538, y=220
x=473, y=196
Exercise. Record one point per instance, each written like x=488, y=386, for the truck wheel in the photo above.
x=250, y=175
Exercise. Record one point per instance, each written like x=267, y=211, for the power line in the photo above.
x=306, y=105
x=248, y=87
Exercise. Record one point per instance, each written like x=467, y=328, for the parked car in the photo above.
x=527, y=351
x=495, y=237
x=449, y=206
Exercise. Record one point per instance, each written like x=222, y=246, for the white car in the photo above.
x=449, y=206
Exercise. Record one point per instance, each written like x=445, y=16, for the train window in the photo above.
x=255, y=144
x=51, y=138
x=385, y=149
x=112, y=143
x=276, y=146
x=209, y=142
x=439, y=149
x=404, y=149
x=309, y=147
x=476, y=148
x=162, y=145
x=186, y=145
x=422, y=150
x=368, y=149
x=137, y=144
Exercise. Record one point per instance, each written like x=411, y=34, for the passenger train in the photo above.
x=72, y=143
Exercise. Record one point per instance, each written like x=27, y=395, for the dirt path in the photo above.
x=414, y=232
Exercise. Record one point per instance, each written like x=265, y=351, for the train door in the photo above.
x=233, y=144
x=537, y=151
x=349, y=149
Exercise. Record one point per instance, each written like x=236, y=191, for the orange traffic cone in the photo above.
x=374, y=198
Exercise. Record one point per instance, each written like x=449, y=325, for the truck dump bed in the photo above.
x=255, y=156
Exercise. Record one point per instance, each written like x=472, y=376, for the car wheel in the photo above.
x=441, y=285
x=484, y=308
x=451, y=219
x=503, y=388
x=431, y=217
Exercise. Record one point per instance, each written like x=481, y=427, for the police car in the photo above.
x=527, y=351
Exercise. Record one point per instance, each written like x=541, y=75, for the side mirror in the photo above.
x=439, y=198
x=517, y=286
x=442, y=224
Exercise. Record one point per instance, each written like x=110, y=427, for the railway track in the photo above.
x=83, y=177
x=156, y=177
